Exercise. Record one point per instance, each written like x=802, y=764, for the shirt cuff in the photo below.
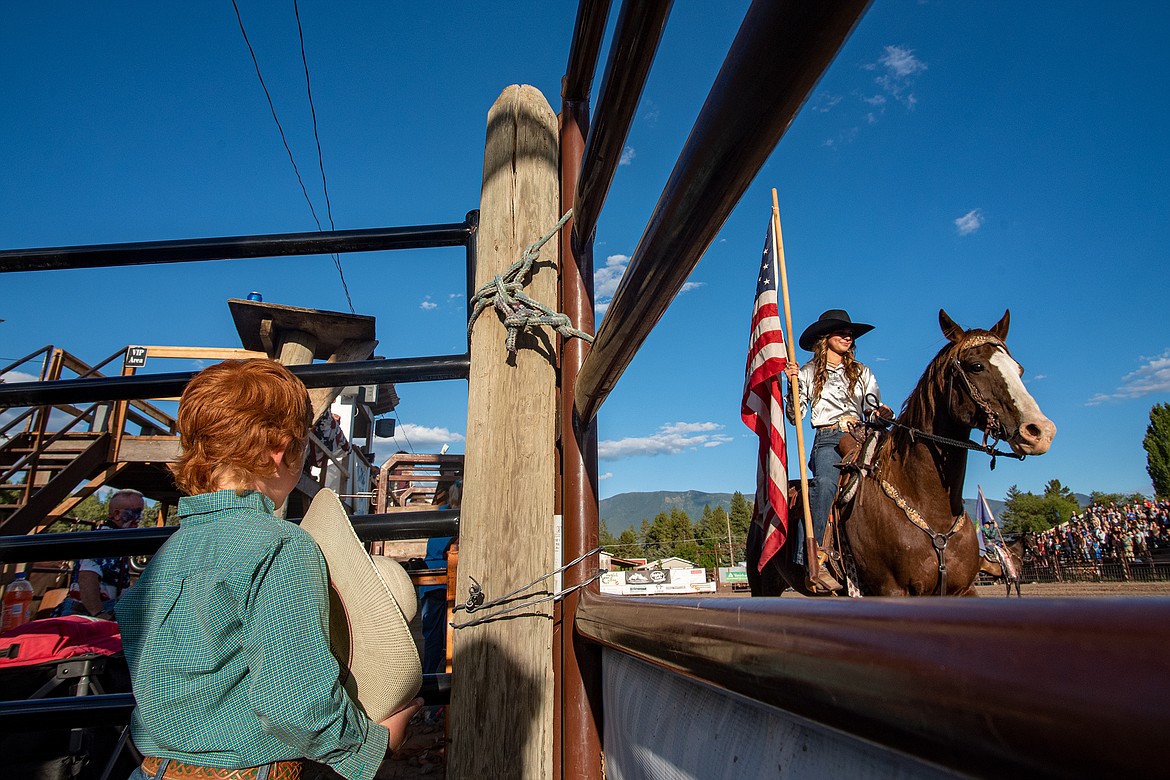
x=363, y=764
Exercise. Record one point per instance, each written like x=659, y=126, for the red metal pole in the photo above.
x=580, y=661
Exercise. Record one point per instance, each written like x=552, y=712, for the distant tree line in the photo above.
x=705, y=542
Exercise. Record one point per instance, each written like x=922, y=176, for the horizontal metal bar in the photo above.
x=635, y=42
x=113, y=709
x=1029, y=688
x=234, y=247
x=417, y=524
x=123, y=388
x=588, y=30
x=781, y=49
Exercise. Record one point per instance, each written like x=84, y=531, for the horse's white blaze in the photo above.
x=1026, y=406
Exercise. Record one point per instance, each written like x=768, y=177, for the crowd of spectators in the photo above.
x=1130, y=533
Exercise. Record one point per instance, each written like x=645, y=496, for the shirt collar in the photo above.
x=205, y=506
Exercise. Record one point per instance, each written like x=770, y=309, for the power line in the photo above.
x=320, y=157
x=284, y=139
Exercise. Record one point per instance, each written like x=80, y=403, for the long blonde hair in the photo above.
x=821, y=367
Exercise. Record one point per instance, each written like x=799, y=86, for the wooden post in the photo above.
x=501, y=713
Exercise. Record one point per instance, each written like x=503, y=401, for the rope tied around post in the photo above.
x=519, y=311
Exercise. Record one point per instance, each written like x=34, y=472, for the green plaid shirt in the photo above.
x=226, y=637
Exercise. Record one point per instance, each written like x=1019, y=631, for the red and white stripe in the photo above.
x=762, y=409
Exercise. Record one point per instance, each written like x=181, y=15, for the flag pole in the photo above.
x=811, y=547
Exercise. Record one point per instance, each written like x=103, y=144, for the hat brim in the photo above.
x=370, y=608
x=808, y=339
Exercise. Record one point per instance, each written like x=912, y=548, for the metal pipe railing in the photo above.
x=584, y=50
x=780, y=51
x=421, y=369
x=635, y=42
x=417, y=524
x=79, y=712
x=1033, y=688
x=234, y=247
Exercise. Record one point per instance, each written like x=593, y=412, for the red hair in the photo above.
x=231, y=416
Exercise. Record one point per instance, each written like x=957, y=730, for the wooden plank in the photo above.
x=204, y=353
x=149, y=449
x=501, y=713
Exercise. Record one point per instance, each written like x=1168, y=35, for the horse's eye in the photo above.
x=975, y=367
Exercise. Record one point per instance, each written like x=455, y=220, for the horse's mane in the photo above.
x=921, y=406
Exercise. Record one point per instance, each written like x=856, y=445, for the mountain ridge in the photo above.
x=628, y=510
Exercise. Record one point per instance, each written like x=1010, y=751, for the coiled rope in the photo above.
x=519, y=311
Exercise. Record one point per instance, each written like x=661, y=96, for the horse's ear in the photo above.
x=949, y=328
x=1000, y=329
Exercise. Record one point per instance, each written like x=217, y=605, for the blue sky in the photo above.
x=973, y=156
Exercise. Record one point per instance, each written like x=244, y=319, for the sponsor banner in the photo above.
x=733, y=574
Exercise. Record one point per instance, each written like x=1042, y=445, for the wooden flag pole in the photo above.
x=811, y=548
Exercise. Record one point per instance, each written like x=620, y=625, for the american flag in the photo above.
x=763, y=407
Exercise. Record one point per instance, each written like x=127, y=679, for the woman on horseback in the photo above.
x=835, y=386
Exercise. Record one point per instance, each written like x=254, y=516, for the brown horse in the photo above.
x=1016, y=551
x=906, y=525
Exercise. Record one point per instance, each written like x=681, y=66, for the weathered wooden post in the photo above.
x=501, y=713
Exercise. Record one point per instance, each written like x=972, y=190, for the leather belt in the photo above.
x=177, y=770
x=840, y=425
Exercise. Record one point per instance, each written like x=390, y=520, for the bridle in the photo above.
x=994, y=431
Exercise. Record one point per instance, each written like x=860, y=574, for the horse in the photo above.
x=906, y=526
x=1017, y=551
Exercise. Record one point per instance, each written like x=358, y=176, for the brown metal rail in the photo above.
x=636, y=37
x=1034, y=688
x=779, y=53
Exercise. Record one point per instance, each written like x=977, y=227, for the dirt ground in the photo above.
x=423, y=756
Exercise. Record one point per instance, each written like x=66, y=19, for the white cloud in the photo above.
x=19, y=376
x=670, y=439
x=969, y=222
x=824, y=102
x=427, y=304
x=421, y=435
x=628, y=155
x=1152, y=377
x=605, y=476
x=652, y=113
x=454, y=296
x=901, y=62
x=606, y=279
x=898, y=67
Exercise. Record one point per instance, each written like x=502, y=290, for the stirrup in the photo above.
x=824, y=581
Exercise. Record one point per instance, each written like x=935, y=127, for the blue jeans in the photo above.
x=822, y=489
x=434, y=628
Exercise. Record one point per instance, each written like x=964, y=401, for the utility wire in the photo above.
x=280, y=129
x=320, y=157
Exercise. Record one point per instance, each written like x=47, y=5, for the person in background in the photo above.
x=226, y=631
x=433, y=598
x=839, y=390
x=97, y=583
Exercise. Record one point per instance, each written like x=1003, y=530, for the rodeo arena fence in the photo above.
x=576, y=684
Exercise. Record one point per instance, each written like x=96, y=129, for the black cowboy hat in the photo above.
x=831, y=321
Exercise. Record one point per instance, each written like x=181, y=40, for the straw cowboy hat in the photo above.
x=831, y=321
x=371, y=603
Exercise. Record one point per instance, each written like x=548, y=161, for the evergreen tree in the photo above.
x=1157, y=445
x=1029, y=512
x=605, y=538
x=628, y=546
x=741, y=521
